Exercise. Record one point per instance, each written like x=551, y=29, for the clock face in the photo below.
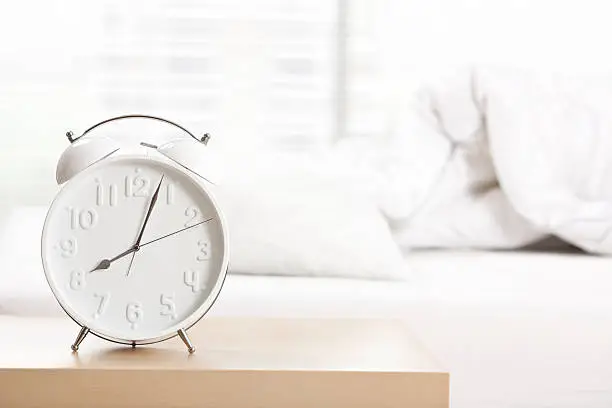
x=91, y=263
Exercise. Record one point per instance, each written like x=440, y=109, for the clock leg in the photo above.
x=82, y=333
x=183, y=335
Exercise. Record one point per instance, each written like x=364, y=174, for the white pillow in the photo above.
x=286, y=216
x=295, y=215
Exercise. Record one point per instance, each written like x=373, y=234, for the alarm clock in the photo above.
x=134, y=245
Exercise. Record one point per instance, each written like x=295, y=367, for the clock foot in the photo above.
x=82, y=333
x=183, y=335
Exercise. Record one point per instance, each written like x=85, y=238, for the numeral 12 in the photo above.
x=137, y=186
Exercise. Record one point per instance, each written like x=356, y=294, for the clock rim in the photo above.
x=194, y=317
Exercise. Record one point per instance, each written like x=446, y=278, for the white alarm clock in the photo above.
x=134, y=246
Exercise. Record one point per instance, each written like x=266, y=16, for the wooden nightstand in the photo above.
x=239, y=363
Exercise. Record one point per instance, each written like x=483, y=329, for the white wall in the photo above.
x=408, y=41
x=43, y=50
x=567, y=35
x=49, y=53
x=253, y=73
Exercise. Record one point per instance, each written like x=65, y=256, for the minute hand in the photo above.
x=151, y=205
x=106, y=263
x=176, y=232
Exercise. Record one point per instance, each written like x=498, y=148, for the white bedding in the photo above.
x=496, y=158
x=516, y=330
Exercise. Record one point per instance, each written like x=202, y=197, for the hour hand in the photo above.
x=106, y=263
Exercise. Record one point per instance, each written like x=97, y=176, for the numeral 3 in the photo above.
x=204, y=252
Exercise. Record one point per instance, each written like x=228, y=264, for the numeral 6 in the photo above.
x=134, y=313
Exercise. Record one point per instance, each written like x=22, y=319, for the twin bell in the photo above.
x=90, y=148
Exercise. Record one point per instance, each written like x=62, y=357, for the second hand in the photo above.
x=106, y=263
x=176, y=232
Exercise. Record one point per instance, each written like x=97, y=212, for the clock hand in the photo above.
x=151, y=205
x=106, y=263
x=146, y=221
x=176, y=232
x=131, y=262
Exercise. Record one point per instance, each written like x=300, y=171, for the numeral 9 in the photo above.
x=134, y=313
x=68, y=247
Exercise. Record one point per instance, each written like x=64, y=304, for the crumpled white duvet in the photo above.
x=496, y=158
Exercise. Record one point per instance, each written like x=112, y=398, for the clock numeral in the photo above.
x=104, y=298
x=112, y=195
x=192, y=279
x=191, y=212
x=83, y=219
x=137, y=186
x=77, y=279
x=141, y=186
x=204, y=252
x=101, y=196
x=134, y=313
x=168, y=306
x=170, y=194
x=99, y=193
x=67, y=247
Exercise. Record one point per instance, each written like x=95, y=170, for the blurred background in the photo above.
x=258, y=74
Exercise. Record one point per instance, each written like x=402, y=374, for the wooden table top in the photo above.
x=239, y=363
x=224, y=344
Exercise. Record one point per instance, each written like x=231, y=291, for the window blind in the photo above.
x=259, y=72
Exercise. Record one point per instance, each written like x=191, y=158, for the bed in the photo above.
x=515, y=329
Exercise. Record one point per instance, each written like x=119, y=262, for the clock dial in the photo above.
x=134, y=248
